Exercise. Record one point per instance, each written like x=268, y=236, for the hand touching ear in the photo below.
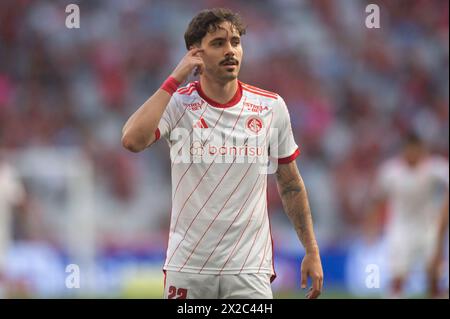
x=188, y=63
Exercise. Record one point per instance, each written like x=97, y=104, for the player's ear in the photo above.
x=195, y=45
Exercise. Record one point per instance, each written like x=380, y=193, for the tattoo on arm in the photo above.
x=295, y=203
x=289, y=189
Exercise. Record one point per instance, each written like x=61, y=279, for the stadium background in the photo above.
x=65, y=94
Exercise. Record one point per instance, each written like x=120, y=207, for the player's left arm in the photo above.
x=442, y=229
x=441, y=174
x=295, y=203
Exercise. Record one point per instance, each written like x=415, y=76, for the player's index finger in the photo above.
x=194, y=51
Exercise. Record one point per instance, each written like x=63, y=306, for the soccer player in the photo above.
x=410, y=184
x=220, y=245
x=12, y=195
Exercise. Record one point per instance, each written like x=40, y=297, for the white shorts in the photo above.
x=182, y=285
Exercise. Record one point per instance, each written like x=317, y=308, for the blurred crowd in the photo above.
x=352, y=93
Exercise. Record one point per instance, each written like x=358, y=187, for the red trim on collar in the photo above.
x=234, y=100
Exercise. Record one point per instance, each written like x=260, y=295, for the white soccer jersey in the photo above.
x=414, y=206
x=219, y=221
x=413, y=191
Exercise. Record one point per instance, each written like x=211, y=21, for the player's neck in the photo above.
x=219, y=92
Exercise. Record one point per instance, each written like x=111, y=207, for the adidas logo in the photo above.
x=201, y=123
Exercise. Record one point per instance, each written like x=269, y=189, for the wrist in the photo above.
x=177, y=76
x=170, y=85
x=312, y=249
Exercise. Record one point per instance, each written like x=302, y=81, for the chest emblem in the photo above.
x=254, y=124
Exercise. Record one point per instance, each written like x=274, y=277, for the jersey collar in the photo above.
x=234, y=100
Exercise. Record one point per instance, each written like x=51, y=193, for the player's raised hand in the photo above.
x=192, y=60
x=312, y=267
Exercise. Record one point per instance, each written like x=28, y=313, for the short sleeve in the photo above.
x=283, y=147
x=168, y=120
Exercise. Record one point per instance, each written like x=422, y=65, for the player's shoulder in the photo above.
x=253, y=91
x=437, y=161
x=186, y=91
x=392, y=165
x=187, y=96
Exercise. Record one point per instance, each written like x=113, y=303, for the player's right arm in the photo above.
x=138, y=132
x=442, y=227
x=437, y=257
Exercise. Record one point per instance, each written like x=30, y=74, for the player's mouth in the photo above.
x=229, y=63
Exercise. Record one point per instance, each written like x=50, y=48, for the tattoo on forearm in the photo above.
x=290, y=189
x=295, y=203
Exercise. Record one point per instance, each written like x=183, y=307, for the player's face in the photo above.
x=222, y=55
x=413, y=153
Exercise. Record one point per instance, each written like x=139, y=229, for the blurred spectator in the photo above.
x=12, y=196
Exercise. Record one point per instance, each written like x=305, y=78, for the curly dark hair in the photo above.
x=208, y=21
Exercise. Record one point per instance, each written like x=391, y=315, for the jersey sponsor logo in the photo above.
x=255, y=108
x=203, y=147
x=201, y=123
x=245, y=150
x=254, y=124
x=194, y=106
x=199, y=149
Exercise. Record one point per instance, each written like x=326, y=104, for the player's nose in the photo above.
x=229, y=50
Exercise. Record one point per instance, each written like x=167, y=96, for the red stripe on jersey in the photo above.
x=286, y=160
x=192, y=89
x=188, y=91
x=217, y=215
x=185, y=88
x=178, y=121
x=187, y=138
x=265, y=139
x=260, y=93
x=254, y=240
x=195, y=217
x=182, y=90
x=259, y=89
x=179, y=214
x=265, y=249
x=272, y=278
x=158, y=132
x=179, y=182
x=240, y=237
